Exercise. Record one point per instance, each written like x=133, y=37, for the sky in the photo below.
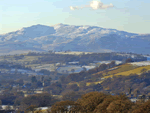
x=127, y=15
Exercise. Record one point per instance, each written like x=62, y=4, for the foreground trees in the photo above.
x=143, y=108
x=96, y=102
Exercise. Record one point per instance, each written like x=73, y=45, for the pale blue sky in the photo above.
x=127, y=15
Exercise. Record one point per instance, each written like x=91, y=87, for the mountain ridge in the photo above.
x=62, y=37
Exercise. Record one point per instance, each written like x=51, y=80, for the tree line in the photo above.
x=97, y=102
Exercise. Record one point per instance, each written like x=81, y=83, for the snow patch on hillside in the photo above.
x=75, y=38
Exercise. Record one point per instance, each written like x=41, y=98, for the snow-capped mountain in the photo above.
x=75, y=38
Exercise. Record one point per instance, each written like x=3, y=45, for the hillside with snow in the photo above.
x=63, y=37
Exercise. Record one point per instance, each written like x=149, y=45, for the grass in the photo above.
x=87, y=83
x=90, y=83
x=30, y=58
x=41, y=111
x=58, y=96
x=136, y=70
x=121, y=68
x=71, y=83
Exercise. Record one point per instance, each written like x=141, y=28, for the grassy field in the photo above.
x=91, y=83
x=71, y=83
x=121, y=68
x=87, y=83
x=137, y=71
x=134, y=70
x=125, y=70
x=25, y=59
x=29, y=58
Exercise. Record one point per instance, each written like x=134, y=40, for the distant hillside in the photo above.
x=110, y=78
x=62, y=37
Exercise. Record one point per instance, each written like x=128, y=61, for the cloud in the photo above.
x=76, y=7
x=94, y=5
x=73, y=8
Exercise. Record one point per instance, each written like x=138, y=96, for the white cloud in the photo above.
x=94, y=5
x=73, y=8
